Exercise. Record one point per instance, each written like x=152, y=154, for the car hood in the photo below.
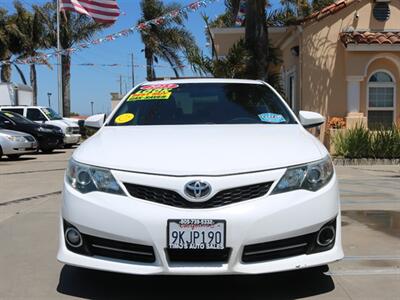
x=13, y=132
x=49, y=126
x=62, y=123
x=199, y=149
x=71, y=122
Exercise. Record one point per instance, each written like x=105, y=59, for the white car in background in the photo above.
x=201, y=176
x=46, y=115
x=13, y=144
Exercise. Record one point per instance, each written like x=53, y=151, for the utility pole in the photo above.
x=133, y=71
x=91, y=103
x=49, y=95
x=120, y=84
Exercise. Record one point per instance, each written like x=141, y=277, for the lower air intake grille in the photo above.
x=96, y=246
x=226, y=197
x=177, y=255
x=119, y=250
x=299, y=245
x=277, y=249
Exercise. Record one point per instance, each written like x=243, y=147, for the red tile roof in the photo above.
x=327, y=11
x=366, y=37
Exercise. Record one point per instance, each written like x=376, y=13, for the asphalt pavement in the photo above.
x=30, y=191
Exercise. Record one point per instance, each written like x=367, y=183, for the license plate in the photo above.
x=193, y=234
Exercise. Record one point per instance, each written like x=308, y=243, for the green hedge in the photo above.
x=359, y=142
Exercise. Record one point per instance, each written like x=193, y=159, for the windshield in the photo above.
x=202, y=103
x=17, y=118
x=51, y=114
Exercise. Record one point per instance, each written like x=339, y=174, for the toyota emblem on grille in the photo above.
x=197, y=189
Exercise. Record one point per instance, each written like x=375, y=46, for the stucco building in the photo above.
x=343, y=61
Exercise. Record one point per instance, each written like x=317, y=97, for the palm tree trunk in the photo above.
x=149, y=63
x=66, y=84
x=33, y=83
x=5, y=73
x=256, y=36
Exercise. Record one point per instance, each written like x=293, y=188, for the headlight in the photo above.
x=19, y=139
x=88, y=179
x=311, y=177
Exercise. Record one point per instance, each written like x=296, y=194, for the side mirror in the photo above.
x=95, y=121
x=310, y=119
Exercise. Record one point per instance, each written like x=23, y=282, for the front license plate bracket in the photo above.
x=196, y=234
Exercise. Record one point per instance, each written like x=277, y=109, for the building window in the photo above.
x=290, y=88
x=381, y=11
x=381, y=97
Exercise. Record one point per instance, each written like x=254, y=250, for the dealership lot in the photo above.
x=29, y=202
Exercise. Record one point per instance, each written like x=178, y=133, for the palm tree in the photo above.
x=74, y=28
x=167, y=40
x=5, y=53
x=27, y=34
x=7, y=49
x=233, y=65
x=256, y=37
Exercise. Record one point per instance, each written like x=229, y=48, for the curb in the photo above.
x=364, y=161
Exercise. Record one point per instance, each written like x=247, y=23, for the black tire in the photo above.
x=1, y=152
x=14, y=156
x=47, y=150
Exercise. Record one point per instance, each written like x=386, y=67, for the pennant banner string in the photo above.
x=42, y=58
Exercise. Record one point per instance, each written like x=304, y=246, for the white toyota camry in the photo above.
x=201, y=176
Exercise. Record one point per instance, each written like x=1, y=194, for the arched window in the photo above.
x=381, y=98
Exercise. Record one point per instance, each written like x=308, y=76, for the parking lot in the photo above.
x=30, y=191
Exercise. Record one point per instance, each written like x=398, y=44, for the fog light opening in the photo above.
x=73, y=237
x=326, y=236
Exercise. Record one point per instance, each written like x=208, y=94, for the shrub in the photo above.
x=359, y=142
x=353, y=143
x=385, y=143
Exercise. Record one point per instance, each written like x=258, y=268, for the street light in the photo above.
x=91, y=103
x=49, y=95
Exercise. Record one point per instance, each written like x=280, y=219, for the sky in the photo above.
x=95, y=84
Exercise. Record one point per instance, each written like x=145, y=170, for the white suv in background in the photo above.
x=42, y=114
x=201, y=176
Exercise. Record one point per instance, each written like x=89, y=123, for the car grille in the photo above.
x=225, y=197
x=75, y=130
x=29, y=138
x=178, y=255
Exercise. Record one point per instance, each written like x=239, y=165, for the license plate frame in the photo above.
x=206, y=248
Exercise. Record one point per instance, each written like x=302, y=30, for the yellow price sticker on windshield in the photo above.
x=124, y=118
x=9, y=115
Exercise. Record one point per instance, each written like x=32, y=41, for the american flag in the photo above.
x=103, y=11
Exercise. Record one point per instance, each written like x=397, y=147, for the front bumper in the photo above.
x=50, y=141
x=72, y=139
x=18, y=148
x=265, y=219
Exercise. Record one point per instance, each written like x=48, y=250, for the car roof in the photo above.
x=22, y=106
x=205, y=80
